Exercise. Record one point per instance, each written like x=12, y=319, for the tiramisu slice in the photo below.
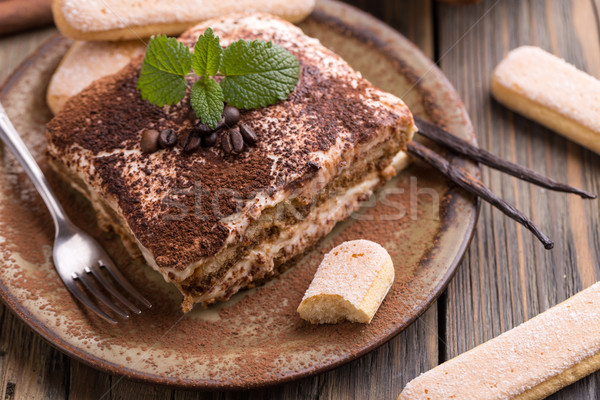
x=211, y=222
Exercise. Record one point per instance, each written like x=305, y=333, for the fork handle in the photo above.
x=11, y=138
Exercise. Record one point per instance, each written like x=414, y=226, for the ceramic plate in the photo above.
x=256, y=338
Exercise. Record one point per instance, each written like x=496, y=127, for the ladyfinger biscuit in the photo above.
x=350, y=284
x=531, y=361
x=84, y=63
x=552, y=92
x=125, y=20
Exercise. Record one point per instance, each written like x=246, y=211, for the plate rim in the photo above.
x=107, y=366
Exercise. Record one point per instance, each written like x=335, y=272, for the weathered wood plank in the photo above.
x=507, y=277
x=413, y=18
x=31, y=369
x=86, y=383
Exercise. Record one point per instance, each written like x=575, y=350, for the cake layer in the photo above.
x=265, y=258
x=196, y=216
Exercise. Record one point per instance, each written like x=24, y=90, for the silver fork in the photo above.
x=77, y=256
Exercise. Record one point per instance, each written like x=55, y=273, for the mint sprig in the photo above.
x=254, y=74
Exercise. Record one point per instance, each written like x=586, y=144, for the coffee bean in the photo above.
x=226, y=143
x=167, y=138
x=183, y=139
x=202, y=129
x=210, y=140
x=192, y=144
x=149, y=143
x=236, y=140
x=248, y=134
x=231, y=115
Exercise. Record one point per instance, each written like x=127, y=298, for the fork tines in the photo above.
x=97, y=283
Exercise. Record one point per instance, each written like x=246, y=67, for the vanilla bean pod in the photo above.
x=440, y=136
x=472, y=185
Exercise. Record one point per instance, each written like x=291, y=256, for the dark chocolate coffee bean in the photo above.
x=192, y=144
x=237, y=141
x=167, y=138
x=248, y=134
x=202, y=129
x=210, y=140
x=149, y=143
x=183, y=139
x=226, y=144
x=221, y=125
x=231, y=115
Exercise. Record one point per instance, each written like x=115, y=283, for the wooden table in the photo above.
x=506, y=277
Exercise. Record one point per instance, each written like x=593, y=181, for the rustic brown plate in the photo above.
x=256, y=338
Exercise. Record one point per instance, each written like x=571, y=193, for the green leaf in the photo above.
x=207, y=101
x=207, y=54
x=162, y=78
x=159, y=87
x=257, y=73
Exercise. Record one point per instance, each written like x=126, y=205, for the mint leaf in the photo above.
x=207, y=101
x=207, y=54
x=169, y=55
x=257, y=73
x=159, y=87
x=162, y=78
